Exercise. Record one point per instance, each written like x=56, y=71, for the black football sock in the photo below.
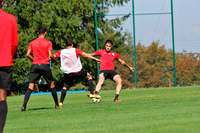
x=3, y=114
x=54, y=94
x=63, y=94
x=27, y=96
x=116, y=96
x=96, y=92
x=91, y=86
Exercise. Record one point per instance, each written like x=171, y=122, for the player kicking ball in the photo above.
x=107, y=69
x=72, y=68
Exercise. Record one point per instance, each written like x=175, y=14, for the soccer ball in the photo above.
x=96, y=100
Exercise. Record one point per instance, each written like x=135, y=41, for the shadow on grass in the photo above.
x=42, y=108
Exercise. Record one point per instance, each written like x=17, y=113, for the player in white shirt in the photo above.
x=72, y=67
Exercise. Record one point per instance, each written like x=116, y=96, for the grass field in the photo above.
x=162, y=110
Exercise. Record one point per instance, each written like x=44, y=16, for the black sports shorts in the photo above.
x=5, y=77
x=108, y=74
x=38, y=70
x=71, y=78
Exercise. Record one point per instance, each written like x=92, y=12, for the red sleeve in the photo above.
x=14, y=37
x=50, y=46
x=117, y=56
x=58, y=54
x=98, y=52
x=30, y=46
x=78, y=52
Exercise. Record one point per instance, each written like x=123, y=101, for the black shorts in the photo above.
x=108, y=74
x=72, y=78
x=5, y=77
x=38, y=70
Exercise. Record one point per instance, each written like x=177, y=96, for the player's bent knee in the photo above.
x=52, y=85
x=31, y=86
x=3, y=94
x=118, y=80
x=65, y=87
x=101, y=81
x=89, y=76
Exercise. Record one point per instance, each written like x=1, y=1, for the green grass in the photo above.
x=163, y=110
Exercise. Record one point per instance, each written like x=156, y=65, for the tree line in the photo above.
x=155, y=67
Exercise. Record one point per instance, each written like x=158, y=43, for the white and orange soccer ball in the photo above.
x=96, y=100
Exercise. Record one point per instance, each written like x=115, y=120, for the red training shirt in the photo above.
x=107, y=59
x=8, y=38
x=40, y=48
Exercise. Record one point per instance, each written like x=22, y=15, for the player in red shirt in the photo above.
x=72, y=67
x=107, y=69
x=42, y=53
x=8, y=48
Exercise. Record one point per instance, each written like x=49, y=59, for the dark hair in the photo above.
x=109, y=41
x=69, y=42
x=1, y=1
x=42, y=30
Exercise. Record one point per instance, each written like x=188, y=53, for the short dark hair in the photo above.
x=42, y=30
x=1, y=1
x=109, y=41
x=69, y=42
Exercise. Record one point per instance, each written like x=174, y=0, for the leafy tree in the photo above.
x=188, y=69
x=64, y=19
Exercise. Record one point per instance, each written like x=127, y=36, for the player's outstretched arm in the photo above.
x=28, y=54
x=55, y=56
x=124, y=63
x=50, y=54
x=90, y=56
x=52, y=57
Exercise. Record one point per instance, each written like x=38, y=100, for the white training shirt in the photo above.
x=70, y=61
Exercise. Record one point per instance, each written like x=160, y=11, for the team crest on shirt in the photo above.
x=113, y=54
